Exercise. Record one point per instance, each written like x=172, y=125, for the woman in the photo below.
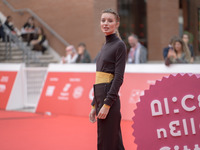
x=179, y=53
x=83, y=55
x=71, y=55
x=110, y=68
x=40, y=43
x=28, y=30
x=9, y=24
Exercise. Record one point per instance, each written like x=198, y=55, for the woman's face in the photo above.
x=81, y=49
x=30, y=21
x=108, y=23
x=185, y=38
x=178, y=46
x=39, y=31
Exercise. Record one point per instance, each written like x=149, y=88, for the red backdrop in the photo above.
x=71, y=92
x=7, y=80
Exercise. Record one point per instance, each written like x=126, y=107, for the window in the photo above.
x=133, y=19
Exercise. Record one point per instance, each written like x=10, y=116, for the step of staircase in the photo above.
x=16, y=56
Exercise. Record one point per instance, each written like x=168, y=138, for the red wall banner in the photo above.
x=67, y=93
x=7, y=79
x=71, y=92
x=133, y=87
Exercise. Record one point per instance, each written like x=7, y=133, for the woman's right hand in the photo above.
x=171, y=53
x=92, y=115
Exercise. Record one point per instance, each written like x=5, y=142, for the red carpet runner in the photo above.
x=28, y=131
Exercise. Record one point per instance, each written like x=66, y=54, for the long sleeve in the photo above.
x=118, y=75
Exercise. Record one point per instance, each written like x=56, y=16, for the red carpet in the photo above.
x=28, y=131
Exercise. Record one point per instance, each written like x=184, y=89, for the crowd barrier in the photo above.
x=68, y=89
x=12, y=86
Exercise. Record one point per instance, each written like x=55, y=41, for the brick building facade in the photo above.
x=79, y=21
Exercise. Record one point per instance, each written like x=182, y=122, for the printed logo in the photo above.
x=54, y=79
x=50, y=91
x=2, y=88
x=78, y=92
x=64, y=95
x=135, y=95
x=4, y=79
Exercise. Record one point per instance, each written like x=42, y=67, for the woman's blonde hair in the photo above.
x=111, y=11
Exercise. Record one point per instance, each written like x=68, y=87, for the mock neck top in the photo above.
x=111, y=37
x=112, y=59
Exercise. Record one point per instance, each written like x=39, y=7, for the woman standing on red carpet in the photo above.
x=110, y=68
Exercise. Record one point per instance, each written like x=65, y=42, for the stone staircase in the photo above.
x=16, y=55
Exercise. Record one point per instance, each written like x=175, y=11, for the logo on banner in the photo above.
x=4, y=79
x=151, y=82
x=64, y=95
x=50, y=91
x=54, y=79
x=168, y=115
x=2, y=88
x=78, y=92
x=135, y=95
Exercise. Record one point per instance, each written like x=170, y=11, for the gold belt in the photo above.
x=103, y=77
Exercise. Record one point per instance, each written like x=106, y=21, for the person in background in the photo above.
x=178, y=54
x=40, y=43
x=71, y=55
x=185, y=38
x=2, y=34
x=169, y=47
x=83, y=55
x=28, y=30
x=9, y=24
x=137, y=53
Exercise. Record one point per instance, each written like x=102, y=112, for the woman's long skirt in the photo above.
x=109, y=130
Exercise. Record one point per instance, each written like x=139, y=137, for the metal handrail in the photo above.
x=38, y=19
x=27, y=55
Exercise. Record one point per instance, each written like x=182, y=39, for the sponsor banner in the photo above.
x=168, y=115
x=7, y=79
x=67, y=93
x=72, y=92
x=133, y=87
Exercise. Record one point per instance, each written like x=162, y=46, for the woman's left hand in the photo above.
x=103, y=112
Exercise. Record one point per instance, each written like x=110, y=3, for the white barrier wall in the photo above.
x=68, y=88
x=12, y=87
x=130, y=68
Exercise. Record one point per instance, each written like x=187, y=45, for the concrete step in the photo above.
x=15, y=57
x=16, y=53
x=43, y=61
x=12, y=49
x=45, y=57
x=41, y=56
x=37, y=58
x=11, y=61
x=32, y=76
x=33, y=82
